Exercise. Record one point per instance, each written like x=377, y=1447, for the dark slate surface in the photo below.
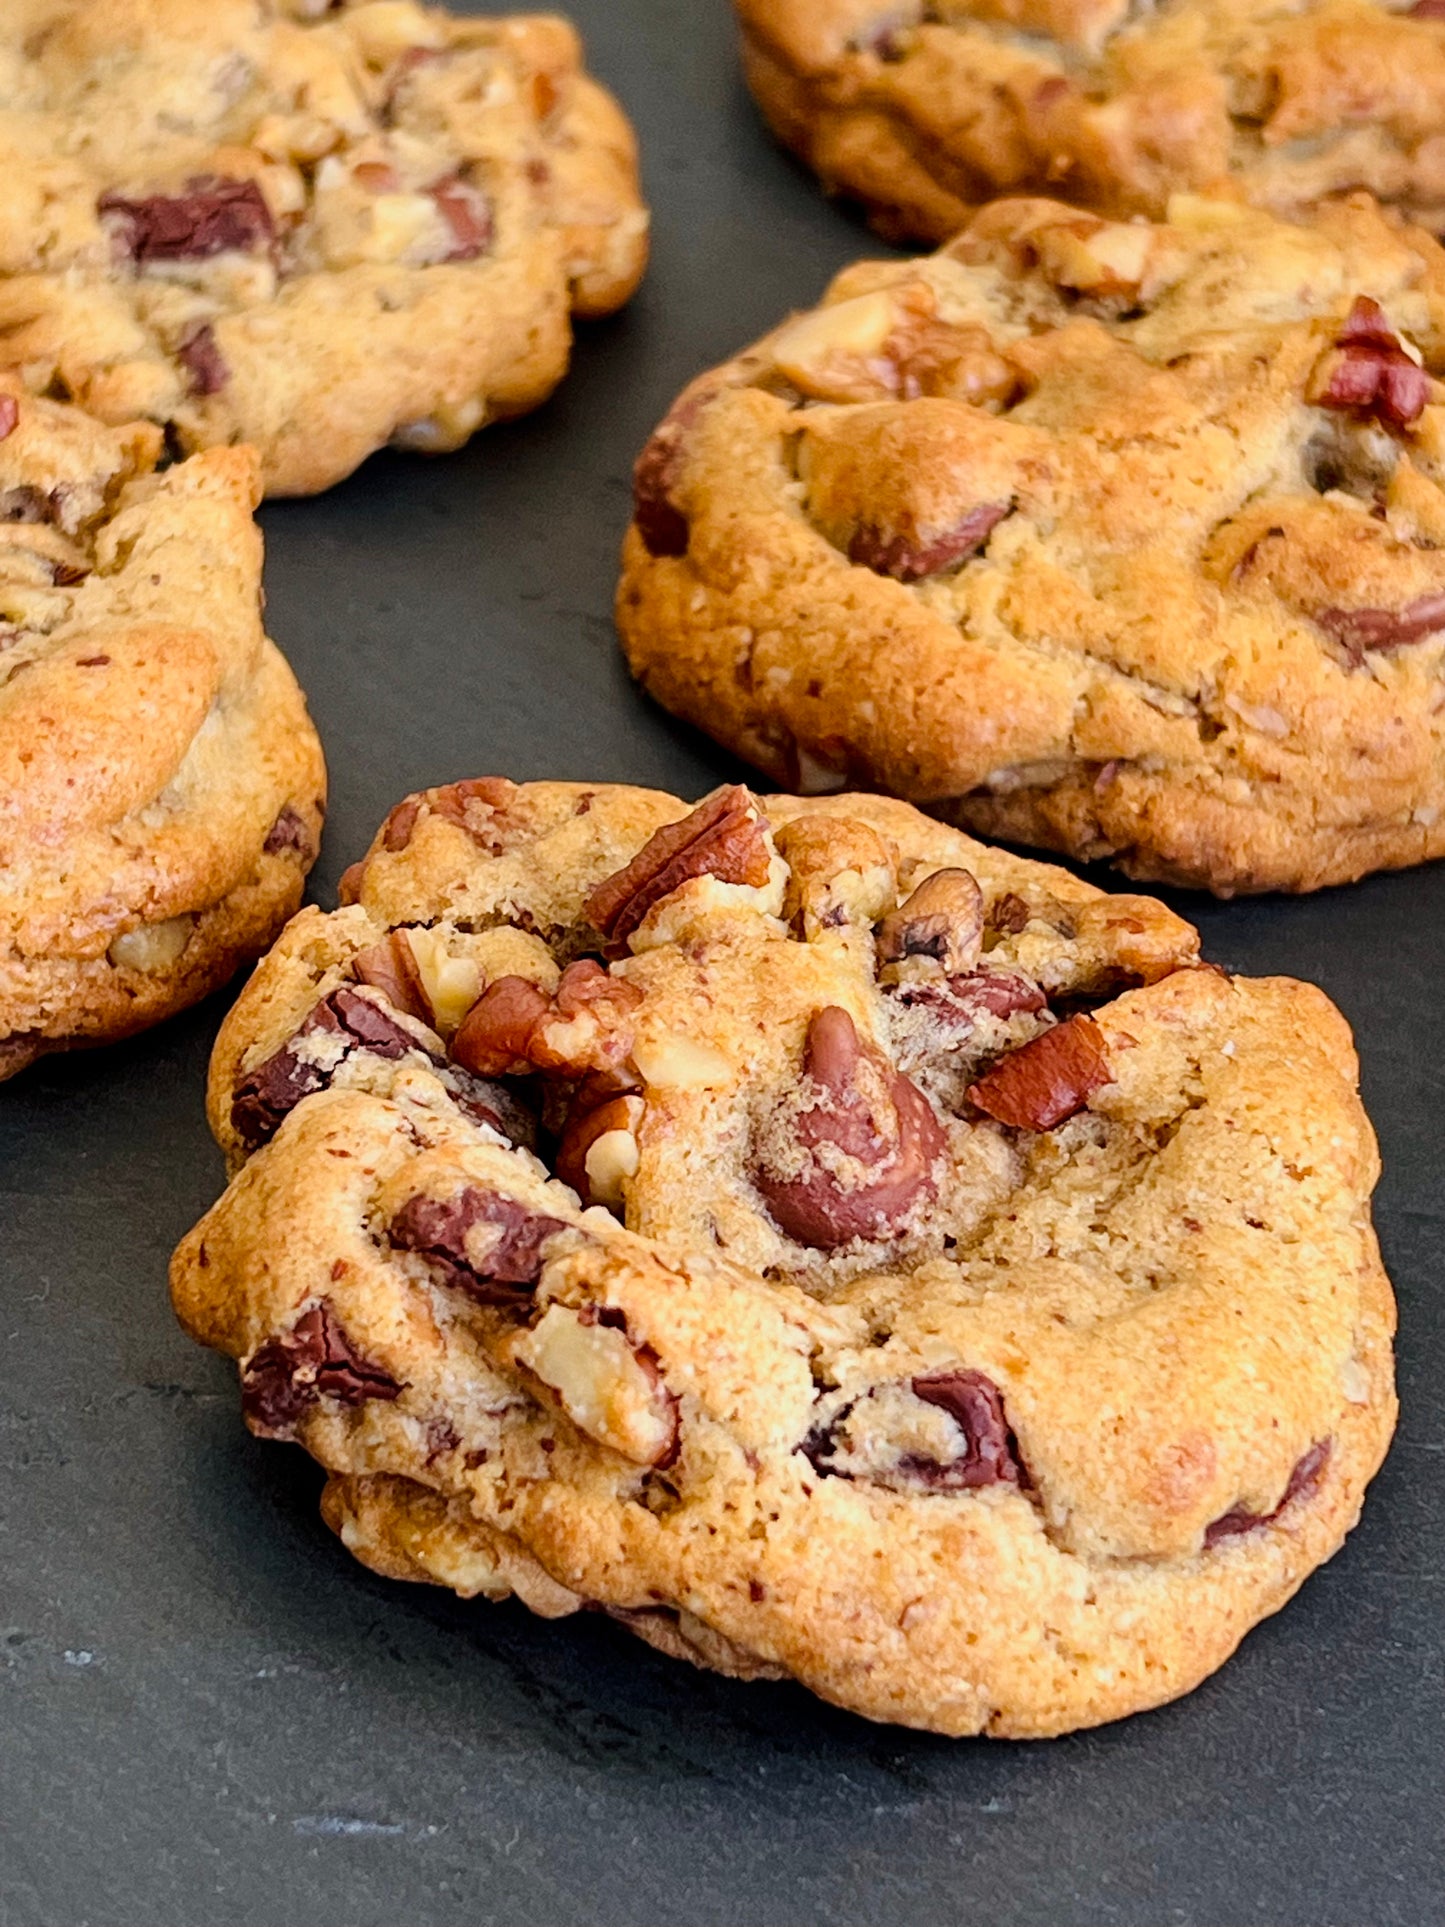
x=209, y=1714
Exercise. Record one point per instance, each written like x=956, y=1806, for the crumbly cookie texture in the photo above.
x=161, y=785
x=314, y=227
x=925, y=109
x=1126, y=539
x=832, y=1247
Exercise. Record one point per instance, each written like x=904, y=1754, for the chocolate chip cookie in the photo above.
x=314, y=227
x=161, y=786
x=1127, y=539
x=925, y=109
x=831, y=1247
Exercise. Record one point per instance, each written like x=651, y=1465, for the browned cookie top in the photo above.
x=317, y=228
x=161, y=786
x=833, y=1246
x=1125, y=538
x=925, y=108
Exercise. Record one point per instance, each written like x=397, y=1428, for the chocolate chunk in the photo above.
x=200, y=356
x=660, y=520
x=882, y=1131
x=314, y=1360
x=26, y=504
x=908, y=559
x=1308, y=1471
x=1369, y=371
x=975, y=1405
x=266, y=1095
x=1359, y=630
x=214, y=216
x=437, y=1228
x=288, y=832
x=986, y=991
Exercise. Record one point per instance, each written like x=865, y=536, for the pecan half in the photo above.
x=585, y=1025
x=478, y=805
x=487, y=1245
x=215, y=215
x=1048, y=1079
x=885, y=1439
x=1368, y=371
x=390, y=967
x=201, y=357
x=724, y=837
x=1303, y=1480
x=860, y=1143
x=942, y=921
x=1359, y=630
x=314, y=1360
x=909, y=558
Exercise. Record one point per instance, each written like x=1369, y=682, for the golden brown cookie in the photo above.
x=922, y=111
x=317, y=228
x=161, y=785
x=832, y=1247
x=1121, y=538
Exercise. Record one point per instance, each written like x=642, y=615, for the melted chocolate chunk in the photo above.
x=437, y=1228
x=314, y=1360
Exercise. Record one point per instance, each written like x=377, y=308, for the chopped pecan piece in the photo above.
x=477, y=805
x=856, y=1150
x=314, y=1360
x=214, y=216
x=1307, y=1473
x=1009, y=915
x=909, y=559
x=724, y=837
x=598, y=1150
x=487, y=1245
x=1359, y=630
x=514, y=1027
x=1048, y=1079
x=1368, y=371
x=942, y=921
x=885, y=1438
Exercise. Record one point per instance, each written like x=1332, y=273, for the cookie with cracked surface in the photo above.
x=161, y=785
x=924, y=110
x=1119, y=538
x=832, y=1247
x=317, y=228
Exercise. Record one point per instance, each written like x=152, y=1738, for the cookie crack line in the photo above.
x=365, y=228
x=775, y=1223
x=1122, y=538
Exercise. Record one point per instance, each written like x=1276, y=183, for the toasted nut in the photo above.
x=856, y=1147
x=942, y=923
x=815, y=351
x=496, y=1032
x=515, y=1027
x=608, y=1387
x=599, y=1150
x=385, y=30
x=842, y=874
x=945, y=1431
x=154, y=946
x=451, y=983
x=1048, y=1080
x=724, y=837
x=673, y=1062
x=1369, y=371
x=391, y=968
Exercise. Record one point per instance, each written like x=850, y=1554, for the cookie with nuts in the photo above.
x=318, y=226
x=161, y=785
x=926, y=109
x=1126, y=539
x=834, y=1248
